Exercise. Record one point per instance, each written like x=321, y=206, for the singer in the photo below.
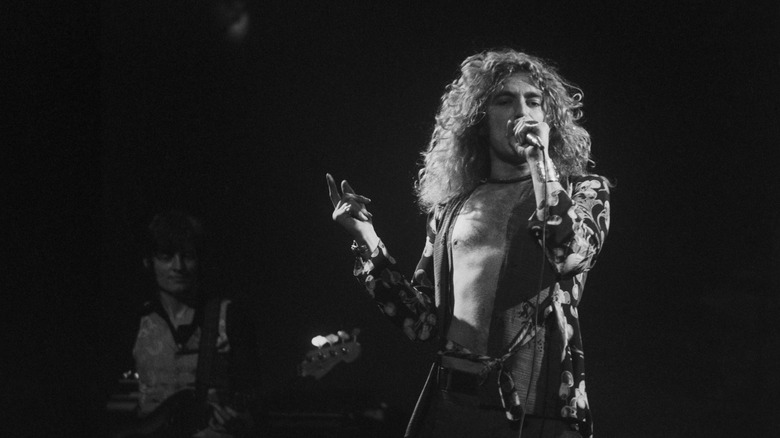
x=515, y=223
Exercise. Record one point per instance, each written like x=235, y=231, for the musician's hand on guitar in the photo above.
x=225, y=418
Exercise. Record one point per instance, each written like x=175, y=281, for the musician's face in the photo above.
x=517, y=97
x=176, y=273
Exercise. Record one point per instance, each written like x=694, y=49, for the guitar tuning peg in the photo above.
x=332, y=339
x=318, y=341
x=343, y=335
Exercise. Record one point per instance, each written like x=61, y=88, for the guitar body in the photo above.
x=182, y=415
x=179, y=416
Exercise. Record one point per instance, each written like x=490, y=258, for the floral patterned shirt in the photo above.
x=166, y=361
x=572, y=237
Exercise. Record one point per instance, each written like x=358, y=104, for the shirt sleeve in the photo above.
x=577, y=225
x=408, y=304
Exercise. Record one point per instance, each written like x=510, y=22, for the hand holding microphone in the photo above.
x=532, y=139
x=527, y=132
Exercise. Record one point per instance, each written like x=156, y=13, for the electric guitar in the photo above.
x=175, y=417
x=182, y=415
x=330, y=351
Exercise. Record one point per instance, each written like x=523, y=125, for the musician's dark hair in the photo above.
x=174, y=231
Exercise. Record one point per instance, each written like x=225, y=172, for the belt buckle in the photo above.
x=458, y=381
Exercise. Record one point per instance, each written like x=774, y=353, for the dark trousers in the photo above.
x=453, y=415
x=460, y=406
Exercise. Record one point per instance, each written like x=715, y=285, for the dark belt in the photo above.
x=459, y=381
x=461, y=376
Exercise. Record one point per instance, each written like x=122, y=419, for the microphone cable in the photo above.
x=545, y=218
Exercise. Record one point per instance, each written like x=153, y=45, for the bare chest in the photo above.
x=487, y=218
x=480, y=241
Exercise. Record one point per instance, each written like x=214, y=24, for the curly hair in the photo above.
x=455, y=159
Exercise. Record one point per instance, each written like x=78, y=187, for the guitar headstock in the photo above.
x=330, y=350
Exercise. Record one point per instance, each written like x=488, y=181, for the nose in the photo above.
x=522, y=110
x=176, y=262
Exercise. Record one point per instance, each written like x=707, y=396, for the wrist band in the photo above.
x=546, y=173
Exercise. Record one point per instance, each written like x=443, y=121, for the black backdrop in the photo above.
x=157, y=109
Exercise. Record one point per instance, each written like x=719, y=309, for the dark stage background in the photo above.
x=162, y=109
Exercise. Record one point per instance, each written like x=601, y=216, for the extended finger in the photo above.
x=341, y=212
x=363, y=214
x=347, y=189
x=354, y=197
x=333, y=190
x=352, y=210
x=510, y=130
x=219, y=415
x=357, y=206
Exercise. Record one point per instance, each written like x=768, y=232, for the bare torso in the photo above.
x=481, y=239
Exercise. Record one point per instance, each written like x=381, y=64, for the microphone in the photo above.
x=534, y=140
x=529, y=137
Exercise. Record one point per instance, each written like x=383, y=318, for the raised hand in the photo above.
x=349, y=210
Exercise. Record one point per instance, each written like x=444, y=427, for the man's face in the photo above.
x=516, y=97
x=175, y=273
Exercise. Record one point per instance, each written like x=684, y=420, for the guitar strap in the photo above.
x=207, y=348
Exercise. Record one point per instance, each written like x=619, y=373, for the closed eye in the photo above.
x=534, y=102
x=504, y=98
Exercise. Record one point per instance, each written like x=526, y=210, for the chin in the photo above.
x=180, y=291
